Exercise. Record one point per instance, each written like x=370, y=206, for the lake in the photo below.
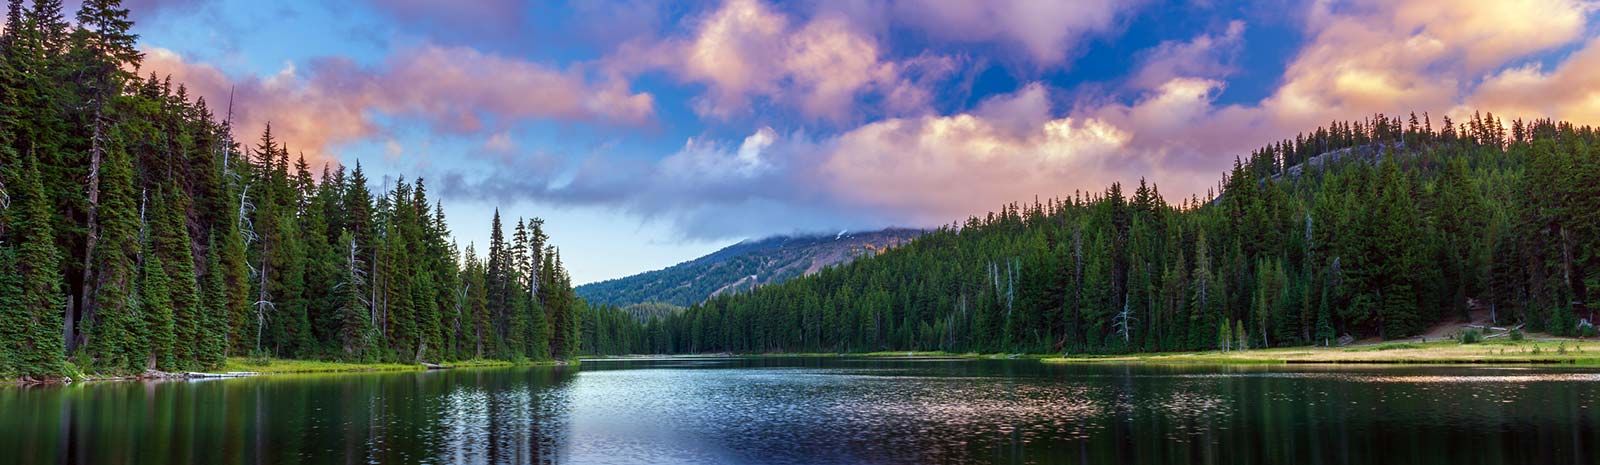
x=823, y=411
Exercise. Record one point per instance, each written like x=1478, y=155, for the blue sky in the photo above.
x=648, y=133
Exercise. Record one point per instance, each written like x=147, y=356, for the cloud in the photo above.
x=1047, y=32
x=309, y=117
x=934, y=169
x=457, y=90
x=706, y=189
x=746, y=52
x=1570, y=92
x=938, y=168
x=1205, y=55
x=1369, y=55
x=1164, y=123
x=917, y=171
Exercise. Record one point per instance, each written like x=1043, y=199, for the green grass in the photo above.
x=319, y=366
x=1498, y=351
x=310, y=366
x=878, y=354
x=1386, y=346
x=888, y=354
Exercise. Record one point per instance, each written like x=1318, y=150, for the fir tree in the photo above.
x=30, y=283
x=155, y=303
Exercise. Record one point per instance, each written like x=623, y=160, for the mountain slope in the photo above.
x=744, y=266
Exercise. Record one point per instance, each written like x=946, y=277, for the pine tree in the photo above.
x=116, y=327
x=105, y=53
x=211, y=349
x=30, y=283
x=171, y=245
x=155, y=304
x=354, y=333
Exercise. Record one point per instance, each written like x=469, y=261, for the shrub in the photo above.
x=1516, y=335
x=1471, y=336
x=260, y=357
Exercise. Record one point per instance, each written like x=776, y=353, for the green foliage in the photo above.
x=155, y=298
x=1471, y=336
x=1516, y=335
x=30, y=280
x=211, y=347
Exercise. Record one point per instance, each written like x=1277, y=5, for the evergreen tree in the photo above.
x=354, y=334
x=211, y=347
x=155, y=303
x=30, y=282
x=116, y=329
x=171, y=245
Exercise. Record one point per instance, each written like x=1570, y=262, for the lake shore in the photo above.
x=240, y=367
x=1565, y=351
x=1503, y=352
x=929, y=354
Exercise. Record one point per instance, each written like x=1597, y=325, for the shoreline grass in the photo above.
x=283, y=366
x=1497, y=352
x=279, y=366
x=1567, y=352
x=878, y=354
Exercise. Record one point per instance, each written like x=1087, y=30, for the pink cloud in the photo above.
x=1369, y=55
x=1569, y=92
x=1048, y=32
x=454, y=89
x=307, y=116
x=746, y=51
x=1205, y=55
x=934, y=169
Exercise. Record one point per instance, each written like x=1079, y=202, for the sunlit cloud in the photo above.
x=456, y=90
x=1372, y=56
x=1570, y=91
x=745, y=51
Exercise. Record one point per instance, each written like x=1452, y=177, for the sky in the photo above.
x=648, y=133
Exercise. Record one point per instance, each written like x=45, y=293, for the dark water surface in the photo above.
x=823, y=410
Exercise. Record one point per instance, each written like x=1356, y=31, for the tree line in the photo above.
x=1378, y=228
x=137, y=234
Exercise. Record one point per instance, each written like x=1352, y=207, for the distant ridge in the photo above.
x=744, y=266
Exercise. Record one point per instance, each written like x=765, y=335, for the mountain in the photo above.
x=744, y=266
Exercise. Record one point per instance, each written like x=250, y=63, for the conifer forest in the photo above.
x=139, y=232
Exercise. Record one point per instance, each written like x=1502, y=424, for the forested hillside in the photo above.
x=136, y=234
x=744, y=266
x=1374, y=228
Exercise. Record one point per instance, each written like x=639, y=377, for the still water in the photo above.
x=823, y=410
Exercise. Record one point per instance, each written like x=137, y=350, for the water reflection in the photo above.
x=478, y=416
x=823, y=411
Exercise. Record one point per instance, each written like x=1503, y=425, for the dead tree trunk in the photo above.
x=87, y=307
